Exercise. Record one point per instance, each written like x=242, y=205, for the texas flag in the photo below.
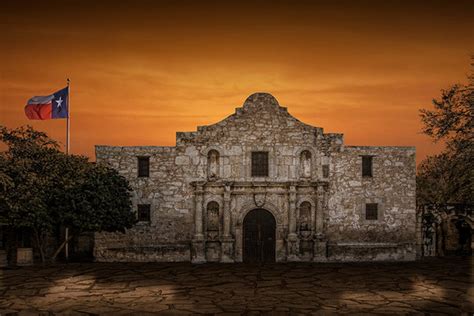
x=54, y=106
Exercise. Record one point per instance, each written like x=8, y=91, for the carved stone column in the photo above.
x=227, y=210
x=198, y=242
x=292, y=210
x=227, y=243
x=320, y=211
x=320, y=242
x=292, y=241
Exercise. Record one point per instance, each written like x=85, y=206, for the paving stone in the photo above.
x=434, y=286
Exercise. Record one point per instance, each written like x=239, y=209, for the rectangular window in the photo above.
x=143, y=166
x=371, y=211
x=367, y=166
x=259, y=164
x=325, y=171
x=143, y=212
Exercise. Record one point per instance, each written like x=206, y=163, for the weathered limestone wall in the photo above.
x=260, y=125
x=310, y=173
x=166, y=237
x=392, y=235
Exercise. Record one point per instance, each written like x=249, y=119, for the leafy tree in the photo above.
x=445, y=178
x=24, y=196
x=41, y=188
x=448, y=177
x=97, y=199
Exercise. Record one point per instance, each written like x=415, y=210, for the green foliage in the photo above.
x=448, y=177
x=25, y=182
x=96, y=199
x=42, y=188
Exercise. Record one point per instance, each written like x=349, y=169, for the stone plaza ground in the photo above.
x=431, y=286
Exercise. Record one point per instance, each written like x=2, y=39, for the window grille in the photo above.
x=367, y=166
x=143, y=212
x=371, y=211
x=143, y=166
x=259, y=164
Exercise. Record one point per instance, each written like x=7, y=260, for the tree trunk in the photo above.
x=40, y=244
x=56, y=253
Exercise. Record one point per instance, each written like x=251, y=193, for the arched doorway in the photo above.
x=259, y=236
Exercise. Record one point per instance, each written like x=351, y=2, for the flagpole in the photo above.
x=68, y=124
x=68, y=144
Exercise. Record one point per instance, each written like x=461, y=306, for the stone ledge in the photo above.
x=381, y=147
x=158, y=253
x=367, y=245
x=132, y=148
x=357, y=252
x=154, y=249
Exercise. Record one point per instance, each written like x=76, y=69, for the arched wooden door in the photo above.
x=259, y=236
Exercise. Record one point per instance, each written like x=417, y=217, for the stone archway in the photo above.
x=259, y=237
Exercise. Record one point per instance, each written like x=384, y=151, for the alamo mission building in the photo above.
x=261, y=186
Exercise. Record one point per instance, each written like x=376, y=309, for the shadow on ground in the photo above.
x=437, y=285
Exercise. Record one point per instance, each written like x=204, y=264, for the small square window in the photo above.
x=371, y=211
x=259, y=164
x=143, y=212
x=367, y=166
x=325, y=171
x=143, y=166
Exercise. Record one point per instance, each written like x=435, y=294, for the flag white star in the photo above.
x=59, y=102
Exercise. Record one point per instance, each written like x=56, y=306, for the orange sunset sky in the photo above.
x=142, y=70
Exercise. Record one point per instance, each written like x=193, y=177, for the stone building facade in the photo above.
x=261, y=185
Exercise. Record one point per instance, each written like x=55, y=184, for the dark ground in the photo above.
x=433, y=286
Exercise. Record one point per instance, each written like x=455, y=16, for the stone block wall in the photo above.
x=171, y=206
x=392, y=187
x=305, y=165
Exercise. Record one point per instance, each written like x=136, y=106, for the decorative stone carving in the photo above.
x=260, y=199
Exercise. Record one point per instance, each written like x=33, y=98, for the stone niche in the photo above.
x=213, y=228
x=305, y=164
x=305, y=230
x=213, y=162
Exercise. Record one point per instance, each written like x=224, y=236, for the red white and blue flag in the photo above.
x=54, y=106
